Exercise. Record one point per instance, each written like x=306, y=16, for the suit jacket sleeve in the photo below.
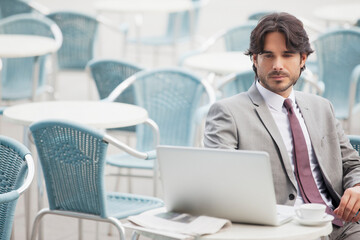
x=220, y=128
x=350, y=159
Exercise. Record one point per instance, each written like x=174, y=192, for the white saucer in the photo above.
x=308, y=222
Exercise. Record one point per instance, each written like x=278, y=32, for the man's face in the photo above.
x=278, y=68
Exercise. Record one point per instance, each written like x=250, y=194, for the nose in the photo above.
x=278, y=64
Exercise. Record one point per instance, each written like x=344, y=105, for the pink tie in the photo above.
x=308, y=189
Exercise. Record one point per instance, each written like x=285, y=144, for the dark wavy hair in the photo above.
x=296, y=37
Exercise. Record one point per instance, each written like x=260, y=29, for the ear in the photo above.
x=254, y=60
x=303, y=58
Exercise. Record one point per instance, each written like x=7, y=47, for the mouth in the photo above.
x=277, y=77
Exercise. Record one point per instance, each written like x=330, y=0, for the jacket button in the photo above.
x=291, y=196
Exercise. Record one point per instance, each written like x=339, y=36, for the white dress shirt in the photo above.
x=275, y=103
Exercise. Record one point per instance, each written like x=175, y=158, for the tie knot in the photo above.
x=288, y=104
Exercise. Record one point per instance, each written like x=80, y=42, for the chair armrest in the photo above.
x=124, y=147
x=119, y=89
x=224, y=80
x=9, y=196
x=39, y=7
x=151, y=155
x=309, y=79
x=30, y=174
x=14, y=194
x=143, y=155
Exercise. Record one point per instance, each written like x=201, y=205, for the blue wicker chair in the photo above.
x=13, y=7
x=16, y=174
x=80, y=33
x=174, y=34
x=72, y=157
x=108, y=74
x=236, y=38
x=174, y=99
x=16, y=84
x=338, y=60
x=355, y=142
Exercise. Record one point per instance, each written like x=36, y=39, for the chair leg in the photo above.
x=12, y=237
x=155, y=178
x=118, y=225
x=135, y=236
x=116, y=189
x=37, y=222
x=80, y=228
x=129, y=181
x=97, y=231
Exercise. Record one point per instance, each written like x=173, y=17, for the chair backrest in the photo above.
x=171, y=96
x=338, y=52
x=13, y=7
x=109, y=73
x=17, y=73
x=235, y=83
x=355, y=142
x=186, y=24
x=15, y=164
x=79, y=37
x=238, y=38
x=72, y=157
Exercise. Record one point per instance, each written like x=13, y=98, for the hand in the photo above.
x=349, y=205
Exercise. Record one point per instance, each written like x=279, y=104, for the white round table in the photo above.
x=16, y=46
x=97, y=114
x=219, y=62
x=20, y=46
x=344, y=13
x=140, y=7
x=288, y=231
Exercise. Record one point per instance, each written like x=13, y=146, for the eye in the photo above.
x=288, y=55
x=268, y=56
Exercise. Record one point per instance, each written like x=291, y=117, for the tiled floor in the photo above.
x=217, y=15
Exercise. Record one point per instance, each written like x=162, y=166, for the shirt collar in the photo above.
x=273, y=100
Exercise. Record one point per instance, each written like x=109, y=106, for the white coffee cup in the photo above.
x=311, y=211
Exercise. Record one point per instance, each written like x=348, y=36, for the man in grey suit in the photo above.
x=259, y=120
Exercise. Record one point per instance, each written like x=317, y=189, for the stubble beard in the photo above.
x=277, y=89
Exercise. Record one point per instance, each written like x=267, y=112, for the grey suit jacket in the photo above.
x=245, y=122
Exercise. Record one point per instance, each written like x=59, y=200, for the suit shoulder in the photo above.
x=313, y=98
x=237, y=99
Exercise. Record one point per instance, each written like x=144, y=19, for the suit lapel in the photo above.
x=270, y=125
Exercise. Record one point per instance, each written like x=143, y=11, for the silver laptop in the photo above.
x=235, y=185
